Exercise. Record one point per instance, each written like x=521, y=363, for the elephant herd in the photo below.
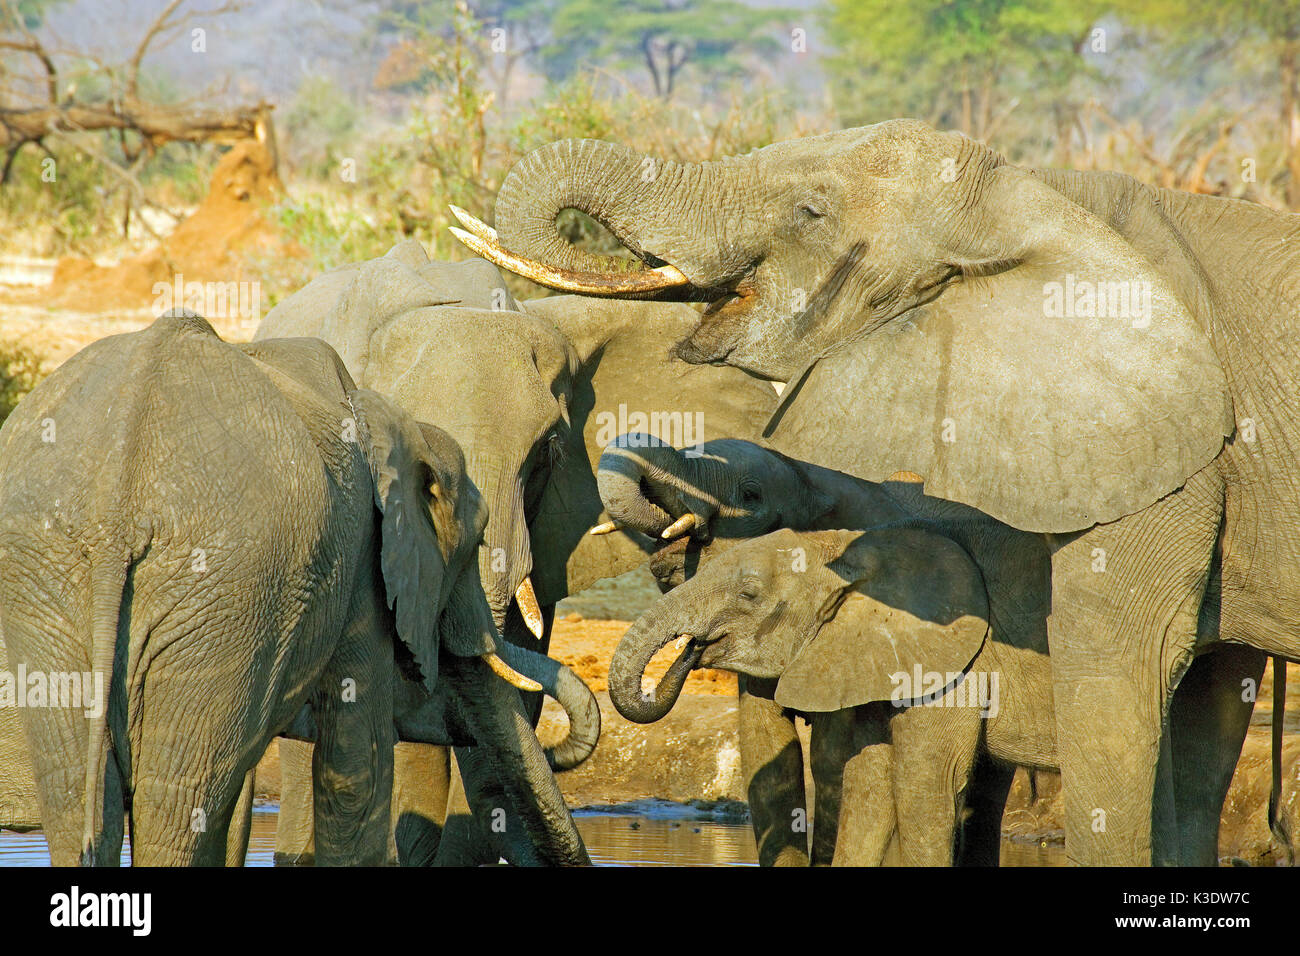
x=1000, y=467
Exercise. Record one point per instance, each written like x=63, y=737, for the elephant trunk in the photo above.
x=649, y=486
x=641, y=200
x=540, y=829
x=506, y=558
x=569, y=691
x=645, y=638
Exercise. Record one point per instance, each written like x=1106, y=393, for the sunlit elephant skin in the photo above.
x=226, y=533
x=1106, y=364
x=532, y=391
x=732, y=490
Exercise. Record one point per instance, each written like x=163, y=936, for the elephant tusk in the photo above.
x=509, y=674
x=606, y=527
x=682, y=524
x=526, y=598
x=476, y=226
x=608, y=284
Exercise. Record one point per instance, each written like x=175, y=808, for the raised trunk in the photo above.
x=642, y=200
x=627, y=668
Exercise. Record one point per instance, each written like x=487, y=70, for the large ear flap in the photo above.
x=1060, y=385
x=413, y=565
x=910, y=599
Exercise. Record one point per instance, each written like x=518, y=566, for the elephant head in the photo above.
x=1035, y=344
x=528, y=390
x=727, y=488
x=431, y=527
x=832, y=616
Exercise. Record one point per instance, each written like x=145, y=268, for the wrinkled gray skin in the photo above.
x=830, y=617
x=531, y=391
x=737, y=490
x=912, y=288
x=207, y=510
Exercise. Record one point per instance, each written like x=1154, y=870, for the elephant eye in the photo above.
x=751, y=495
x=807, y=211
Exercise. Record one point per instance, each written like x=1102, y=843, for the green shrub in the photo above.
x=20, y=370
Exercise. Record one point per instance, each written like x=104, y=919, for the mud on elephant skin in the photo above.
x=331, y=536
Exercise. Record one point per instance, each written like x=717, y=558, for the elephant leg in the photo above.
x=772, y=762
x=295, y=836
x=980, y=841
x=421, y=790
x=352, y=764
x=1126, y=598
x=1208, y=720
x=867, y=823
x=829, y=751
x=474, y=807
x=60, y=773
x=241, y=822
x=934, y=754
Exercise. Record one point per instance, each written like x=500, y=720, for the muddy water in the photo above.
x=612, y=840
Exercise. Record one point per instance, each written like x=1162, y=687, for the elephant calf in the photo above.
x=881, y=638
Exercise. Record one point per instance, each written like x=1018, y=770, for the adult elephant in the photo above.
x=1077, y=354
x=212, y=536
x=532, y=391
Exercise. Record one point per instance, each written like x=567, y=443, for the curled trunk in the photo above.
x=646, y=485
x=642, y=200
x=652, y=632
x=569, y=691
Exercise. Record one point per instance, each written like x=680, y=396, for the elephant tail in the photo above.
x=108, y=573
x=1275, y=791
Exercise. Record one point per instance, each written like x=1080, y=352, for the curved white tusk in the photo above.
x=607, y=527
x=526, y=598
x=682, y=524
x=509, y=674
x=608, y=284
x=477, y=226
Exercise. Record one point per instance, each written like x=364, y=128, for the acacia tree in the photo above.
x=1258, y=38
x=665, y=36
x=48, y=92
x=966, y=65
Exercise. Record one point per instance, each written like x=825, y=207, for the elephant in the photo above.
x=734, y=490
x=216, y=535
x=1081, y=356
x=532, y=391
x=844, y=622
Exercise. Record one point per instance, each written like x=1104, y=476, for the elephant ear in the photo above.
x=1061, y=385
x=406, y=481
x=909, y=598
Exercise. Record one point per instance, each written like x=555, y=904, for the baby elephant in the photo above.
x=881, y=638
